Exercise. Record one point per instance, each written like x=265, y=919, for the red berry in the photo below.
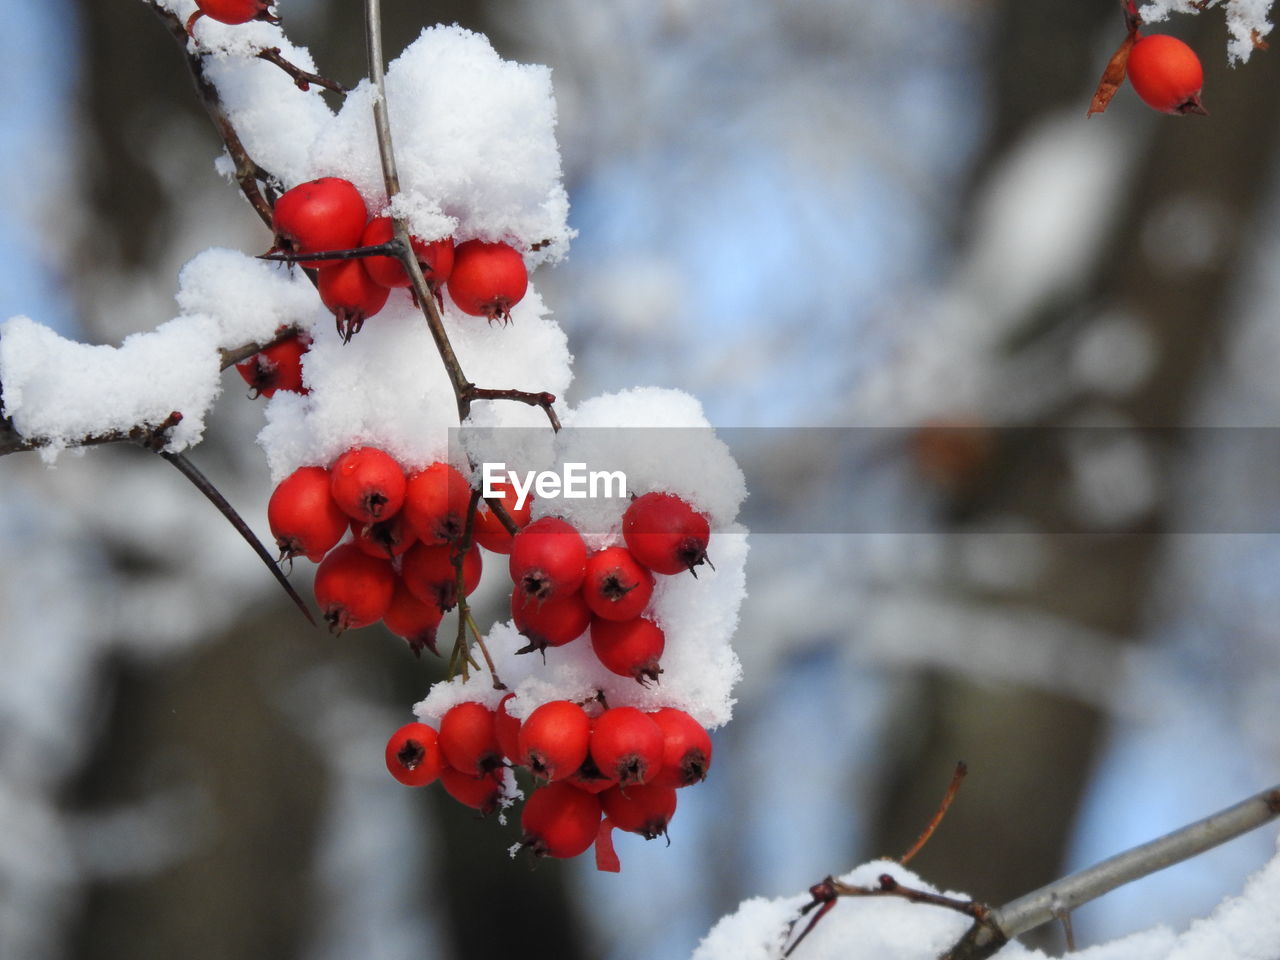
x=319, y=215
x=350, y=294
x=686, y=752
x=559, y=820
x=548, y=559
x=413, y=755
x=507, y=729
x=412, y=620
x=352, y=588
x=616, y=586
x=368, y=484
x=588, y=776
x=553, y=739
x=629, y=648
x=488, y=279
x=549, y=623
x=644, y=809
x=430, y=574
x=468, y=739
x=1166, y=74
x=436, y=503
x=627, y=746
x=484, y=793
x=489, y=531
x=304, y=518
x=435, y=258
x=231, y=11
x=277, y=367
x=385, y=538
x=665, y=534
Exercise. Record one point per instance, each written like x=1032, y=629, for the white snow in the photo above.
x=1246, y=19
x=1243, y=927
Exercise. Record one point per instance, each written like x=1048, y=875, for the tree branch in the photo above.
x=464, y=390
x=248, y=174
x=987, y=936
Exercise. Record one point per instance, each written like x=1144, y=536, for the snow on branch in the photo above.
x=886, y=912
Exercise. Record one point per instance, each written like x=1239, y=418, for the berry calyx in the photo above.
x=436, y=502
x=627, y=746
x=368, y=484
x=629, y=648
x=616, y=587
x=548, y=559
x=559, y=820
x=434, y=258
x=644, y=809
x=686, y=751
x=468, y=739
x=303, y=516
x=413, y=755
x=488, y=279
x=553, y=740
x=549, y=623
x=276, y=367
x=428, y=572
x=352, y=588
x=319, y=215
x=233, y=12
x=383, y=538
x=665, y=533
x=351, y=295
x=412, y=620
x=1166, y=74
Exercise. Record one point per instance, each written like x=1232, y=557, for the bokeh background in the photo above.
x=836, y=213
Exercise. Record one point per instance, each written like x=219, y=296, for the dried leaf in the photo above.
x=1113, y=76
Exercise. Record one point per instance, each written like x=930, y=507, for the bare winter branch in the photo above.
x=986, y=937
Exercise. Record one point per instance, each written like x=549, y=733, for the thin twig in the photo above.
x=392, y=248
x=301, y=78
x=826, y=893
x=201, y=483
x=459, y=569
x=957, y=778
x=534, y=399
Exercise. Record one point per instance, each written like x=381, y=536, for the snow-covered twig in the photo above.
x=248, y=174
x=989, y=934
x=464, y=390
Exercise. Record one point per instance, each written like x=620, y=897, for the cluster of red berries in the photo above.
x=1166, y=74
x=603, y=768
x=398, y=565
x=483, y=279
x=611, y=768
x=560, y=589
